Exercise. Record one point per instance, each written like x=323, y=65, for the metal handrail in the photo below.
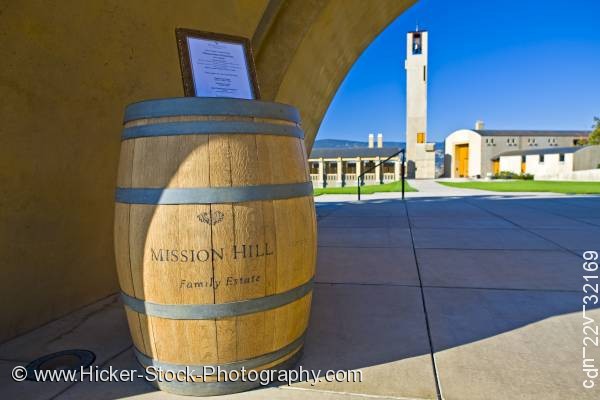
x=361, y=178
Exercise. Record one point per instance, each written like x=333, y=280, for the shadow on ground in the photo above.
x=465, y=298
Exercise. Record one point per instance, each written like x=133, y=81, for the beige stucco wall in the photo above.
x=587, y=158
x=416, y=104
x=70, y=67
x=424, y=160
x=586, y=175
x=510, y=164
x=551, y=165
x=463, y=136
x=311, y=48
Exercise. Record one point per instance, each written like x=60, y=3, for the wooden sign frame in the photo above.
x=182, y=35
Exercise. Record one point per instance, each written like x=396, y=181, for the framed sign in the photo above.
x=216, y=65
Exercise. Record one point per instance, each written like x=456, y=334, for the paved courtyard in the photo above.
x=456, y=295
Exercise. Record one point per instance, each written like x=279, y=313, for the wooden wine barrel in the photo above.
x=215, y=237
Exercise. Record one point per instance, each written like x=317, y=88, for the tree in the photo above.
x=594, y=137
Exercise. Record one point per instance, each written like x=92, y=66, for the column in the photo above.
x=340, y=173
x=321, y=181
x=358, y=168
x=378, y=171
x=397, y=164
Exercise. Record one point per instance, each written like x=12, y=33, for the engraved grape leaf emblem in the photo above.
x=211, y=218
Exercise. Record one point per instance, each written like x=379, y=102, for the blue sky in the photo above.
x=528, y=64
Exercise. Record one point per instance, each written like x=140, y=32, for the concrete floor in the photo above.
x=462, y=297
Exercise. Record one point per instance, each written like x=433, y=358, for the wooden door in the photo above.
x=495, y=167
x=462, y=160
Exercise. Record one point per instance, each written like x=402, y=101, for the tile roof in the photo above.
x=353, y=152
x=493, y=132
x=543, y=150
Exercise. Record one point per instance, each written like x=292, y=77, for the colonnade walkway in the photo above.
x=460, y=297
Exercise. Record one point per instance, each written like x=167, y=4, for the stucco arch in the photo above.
x=70, y=67
x=463, y=136
x=320, y=53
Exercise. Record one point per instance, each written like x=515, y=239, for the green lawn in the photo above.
x=568, y=187
x=387, y=187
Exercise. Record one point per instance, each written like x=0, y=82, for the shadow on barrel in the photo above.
x=215, y=236
x=353, y=325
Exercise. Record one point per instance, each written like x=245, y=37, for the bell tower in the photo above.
x=420, y=164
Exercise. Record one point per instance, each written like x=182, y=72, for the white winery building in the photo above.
x=473, y=153
x=341, y=166
x=554, y=163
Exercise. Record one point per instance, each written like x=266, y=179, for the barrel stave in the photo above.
x=219, y=341
x=246, y=250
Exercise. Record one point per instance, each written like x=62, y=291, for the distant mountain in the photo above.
x=342, y=143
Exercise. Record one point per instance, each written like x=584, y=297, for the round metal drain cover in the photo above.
x=70, y=360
